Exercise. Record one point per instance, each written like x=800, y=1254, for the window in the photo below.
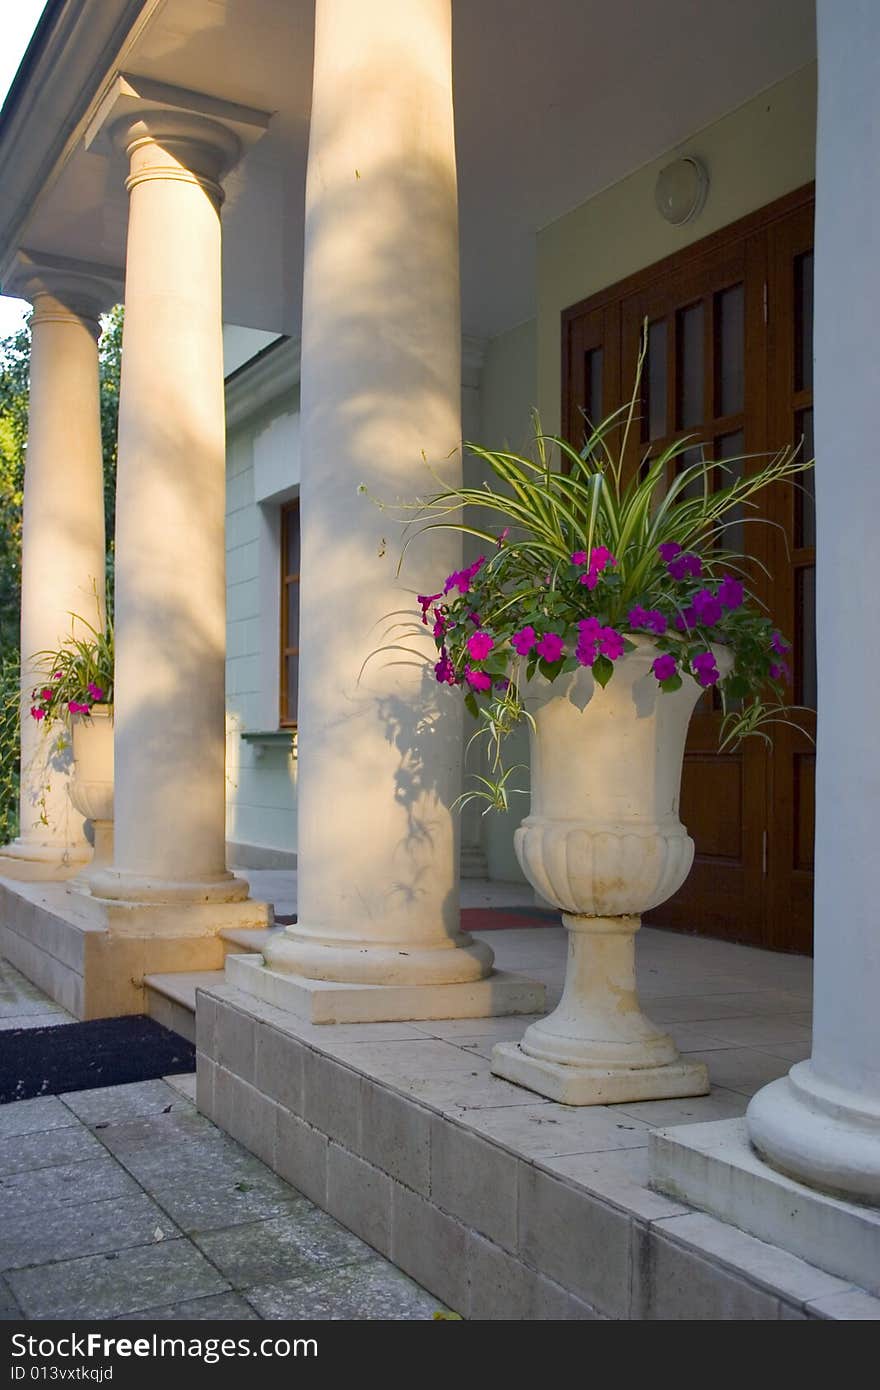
x=289, y=614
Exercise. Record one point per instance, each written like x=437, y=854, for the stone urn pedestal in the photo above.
x=91, y=787
x=604, y=843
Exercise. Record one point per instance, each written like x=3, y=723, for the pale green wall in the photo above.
x=754, y=155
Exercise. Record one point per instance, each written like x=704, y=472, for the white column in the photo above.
x=170, y=568
x=822, y=1123
x=63, y=542
x=379, y=740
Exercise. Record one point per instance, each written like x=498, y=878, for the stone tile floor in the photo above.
x=22, y=1005
x=125, y=1202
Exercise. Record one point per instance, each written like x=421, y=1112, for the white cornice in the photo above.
x=87, y=39
x=274, y=372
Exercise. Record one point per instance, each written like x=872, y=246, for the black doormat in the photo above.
x=83, y=1056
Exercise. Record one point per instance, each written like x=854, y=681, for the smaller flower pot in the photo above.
x=91, y=787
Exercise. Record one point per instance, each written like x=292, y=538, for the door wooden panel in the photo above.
x=728, y=369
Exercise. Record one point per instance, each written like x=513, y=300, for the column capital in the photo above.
x=62, y=288
x=171, y=133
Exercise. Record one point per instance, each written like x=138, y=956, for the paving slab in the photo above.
x=44, y=1189
x=301, y=1244
x=34, y=1116
x=371, y=1290
x=24, y=1153
x=220, y=1307
x=88, y=1229
x=113, y=1104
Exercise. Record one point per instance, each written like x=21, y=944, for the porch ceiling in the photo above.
x=554, y=101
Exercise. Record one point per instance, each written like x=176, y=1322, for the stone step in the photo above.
x=171, y=998
x=249, y=938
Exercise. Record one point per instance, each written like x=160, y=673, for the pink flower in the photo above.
x=37, y=713
x=705, y=669
x=579, y=557
x=550, y=646
x=523, y=641
x=478, y=679
x=664, y=667
x=57, y=676
x=46, y=694
x=730, y=592
x=668, y=551
x=444, y=670
x=503, y=537
x=479, y=645
x=77, y=707
x=96, y=692
x=426, y=600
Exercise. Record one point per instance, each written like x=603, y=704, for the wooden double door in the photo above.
x=729, y=364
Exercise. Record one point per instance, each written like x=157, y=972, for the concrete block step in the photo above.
x=171, y=998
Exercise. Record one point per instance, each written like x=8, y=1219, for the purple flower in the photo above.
x=523, y=641
x=579, y=557
x=479, y=680
x=779, y=671
x=686, y=620
x=550, y=646
x=707, y=607
x=778, y=645
x=444, y=670
x=650, y=618
x=479, y=645
x=461, y=579
x=664, y=667
x=502, y=684
x=685, y=565
x=730, y=592
x=705, y=669
x=427, y=599
x=668, y=551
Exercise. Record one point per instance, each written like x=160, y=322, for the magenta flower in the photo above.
x=730, y=592
x=46, y=694
x=57, y=676
x=96, y=692
x=588, y=640
x=650, y=618
x=779, y=645
x=426, y=600
x=439, y=624
x=610, y=643
x=664, y=667
x=444, y=670
x=591, y=579
x=668, y=551
x=479, y=645
x=503, y=537
x=77, y=707
x=474, y=618
x=705, y=669
x=479, y=680
x=523, y=641
x=37, y=713
x=579, y=557
x=550, y=646
x=707, y=607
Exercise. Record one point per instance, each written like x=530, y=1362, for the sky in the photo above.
x=18, y=19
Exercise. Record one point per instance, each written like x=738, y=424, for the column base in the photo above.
x=38, y=863
x=819, y=1134
x=715, y=1168
x=332, y=1001
x=117, y=885
x=583, y=1084
x=462, y=960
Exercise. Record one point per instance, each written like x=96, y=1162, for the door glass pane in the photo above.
x=292, y=615
x=654, y=416
x=685, y=461
x=689, y=345
x=803, y=322
x=593, y=385
x=730, y=350
x=805, y=496
x=291, y=527
x=805, y=639
x=729, y=449
x=292, y=671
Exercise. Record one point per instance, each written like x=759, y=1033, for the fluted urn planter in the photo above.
x=91, y=787
x=604, y=843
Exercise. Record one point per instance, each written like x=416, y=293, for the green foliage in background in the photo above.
x=14, y=369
